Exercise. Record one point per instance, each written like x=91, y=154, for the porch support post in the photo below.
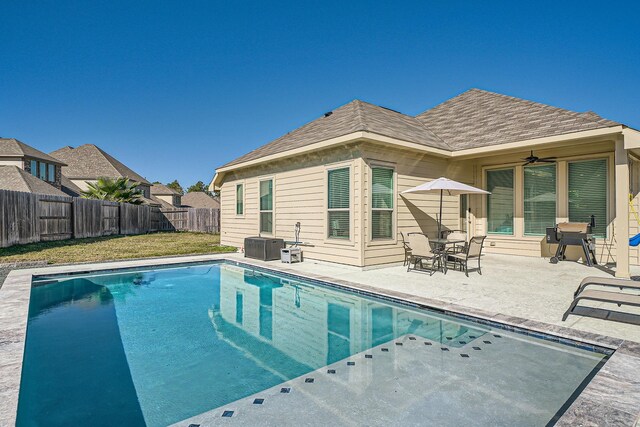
x=622, y=209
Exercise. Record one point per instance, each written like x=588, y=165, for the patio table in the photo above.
x=440, y=249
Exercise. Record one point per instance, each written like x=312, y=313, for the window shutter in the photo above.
x=539, y=198
x=239, y=199
x=500, y=201
x=381, y=203
x=339, y=189
x=338, y=204
x=588, y=193
x=382, y=184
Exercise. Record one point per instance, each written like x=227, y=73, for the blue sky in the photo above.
x=174, y=89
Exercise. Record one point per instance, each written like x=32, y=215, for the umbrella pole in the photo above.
x=440, y=218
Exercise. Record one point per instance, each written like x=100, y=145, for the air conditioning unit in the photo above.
x=262, y=248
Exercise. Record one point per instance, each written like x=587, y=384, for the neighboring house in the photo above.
x=342, y=175
x=32, y=161
x=169, y=196
x=16, y=179
x=199, y=199
x=86, y=163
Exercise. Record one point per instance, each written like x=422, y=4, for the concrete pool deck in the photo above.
x=519, y=292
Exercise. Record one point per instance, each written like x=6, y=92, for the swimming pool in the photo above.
x=220, y=341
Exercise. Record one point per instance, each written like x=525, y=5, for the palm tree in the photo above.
x=115, y=190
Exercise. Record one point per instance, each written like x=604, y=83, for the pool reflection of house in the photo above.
x=313, y=325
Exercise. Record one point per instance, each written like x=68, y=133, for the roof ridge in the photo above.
x=359, y=110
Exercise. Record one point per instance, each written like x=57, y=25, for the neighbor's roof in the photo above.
x=163, y=190
x=199, y=199
x=477, y=118
x=90, y=162
x=69, y=187
x=11, y=147
x=355, y=116
x=15, y=179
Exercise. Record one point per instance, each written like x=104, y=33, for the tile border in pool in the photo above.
x=612, y=395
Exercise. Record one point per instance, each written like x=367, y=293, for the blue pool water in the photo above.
x=153, y=347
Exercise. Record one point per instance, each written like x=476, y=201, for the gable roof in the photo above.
x=475, y=118
x=478, y=118
x=11, y=147
x=352, y=117
x=15, y=179
x=163, y=190
x=90, y=162
x=199, y=199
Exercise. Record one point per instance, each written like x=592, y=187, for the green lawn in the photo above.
x=116, y=247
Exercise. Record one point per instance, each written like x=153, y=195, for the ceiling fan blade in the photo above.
x=528, y=162
x=547, y=160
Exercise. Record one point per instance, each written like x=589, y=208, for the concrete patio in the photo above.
x=526, y=287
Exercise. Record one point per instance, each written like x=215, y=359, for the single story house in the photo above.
x=168, y=197
x=34, y=162
x=86, y=163
x=199, y=199
x=342, y=177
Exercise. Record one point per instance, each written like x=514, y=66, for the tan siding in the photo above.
x=413, y=212
x=299, y=196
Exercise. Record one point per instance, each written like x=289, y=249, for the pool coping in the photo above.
x=612, y=397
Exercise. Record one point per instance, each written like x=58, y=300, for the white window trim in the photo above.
x=394, y=215
x=486, y=199
x=524, y=222
x=334, y=240
x=244, y=198
x=273, y=206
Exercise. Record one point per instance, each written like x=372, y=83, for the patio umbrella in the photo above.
x=444, y=186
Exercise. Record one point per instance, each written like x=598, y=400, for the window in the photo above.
x=381, y=203
x=43, y=171
x=500, y=201
x=34, y=168
x=539, y=199
x=464, y=206
x=239, y=199
x=588, y=193
x=52, y=173
x=266, y=206
x=338, y=203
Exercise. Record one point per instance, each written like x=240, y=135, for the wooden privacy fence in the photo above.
x=29, y=218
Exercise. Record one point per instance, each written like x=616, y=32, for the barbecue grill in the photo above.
x=573, y=234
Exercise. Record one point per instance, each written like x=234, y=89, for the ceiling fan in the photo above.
x=535, y=159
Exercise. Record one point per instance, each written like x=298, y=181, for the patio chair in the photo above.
x=473, y=251
x=407, y=249
x=420, y=251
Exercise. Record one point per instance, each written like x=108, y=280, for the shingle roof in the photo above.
x=11, y=147
x=69, y=187
x=15, y=179
x=90, y=162
x=352, y=117
x=163, y=190
x=477, y=118
x=199, y=199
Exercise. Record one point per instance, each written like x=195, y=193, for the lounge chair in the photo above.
x=407, y=249
x=473, y=251
x=603, y=296
x=420, y=251
x=606, y=282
